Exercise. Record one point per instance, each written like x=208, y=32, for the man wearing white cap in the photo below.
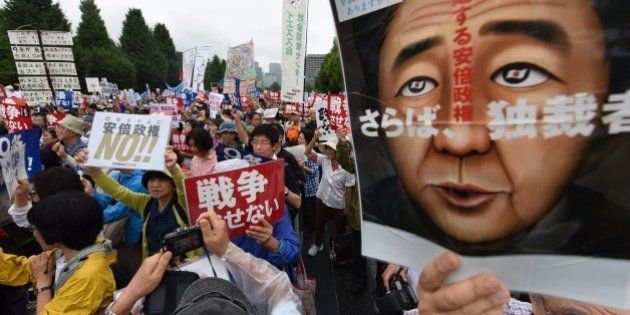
x=69, y=131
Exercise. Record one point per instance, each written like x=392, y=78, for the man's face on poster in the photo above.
x=474, y=188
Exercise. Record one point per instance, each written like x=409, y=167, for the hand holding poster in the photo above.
x=19, y=157
x=485, y=137
x=128, y=141
x=241, y=197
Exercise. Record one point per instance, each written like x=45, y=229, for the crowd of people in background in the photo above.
x=77, y=234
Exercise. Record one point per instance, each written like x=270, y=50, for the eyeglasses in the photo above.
x=261, y=143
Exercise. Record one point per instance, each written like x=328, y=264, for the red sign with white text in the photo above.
x=338, y=112
x=178, y=141
x=239, y=196
x=54, y=119
x=16, y=114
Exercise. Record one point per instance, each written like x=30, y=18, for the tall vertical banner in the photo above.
x=201, y=62
x=188, y=66
x=242, y=197
x=240, y=62
x=19, y=157
x=294, y=24
x=129, y=141
x=499, y=130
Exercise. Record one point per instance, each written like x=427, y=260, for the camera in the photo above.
x=400, y=298
x=183, y=240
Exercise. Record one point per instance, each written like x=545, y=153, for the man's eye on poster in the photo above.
x=496, y=129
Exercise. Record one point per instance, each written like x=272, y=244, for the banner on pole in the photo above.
x=34, y=98
x=58, y=54
x=188, y=64
x=56, y=38
x=240, y=62
x=294, y=25
x=129, y=141
x=61, y=68
x=201, y=62
x=241, y=197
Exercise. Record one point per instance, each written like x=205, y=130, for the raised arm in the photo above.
x=240, y=129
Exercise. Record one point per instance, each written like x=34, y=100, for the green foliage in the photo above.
x=40, y=14
x=167, y=47
x=275, y=87
x=139, y=44
x=214, y=72
x=96, y=55
x=330, y=78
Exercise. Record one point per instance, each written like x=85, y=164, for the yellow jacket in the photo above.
x=139, y=201
x=88, y=291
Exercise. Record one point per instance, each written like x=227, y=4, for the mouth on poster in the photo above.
x=19, y=157
x=128, y=141
x=241, y=197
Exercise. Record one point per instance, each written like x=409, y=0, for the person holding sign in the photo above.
x=331, y=194
x=72, y=275
x=163, y=210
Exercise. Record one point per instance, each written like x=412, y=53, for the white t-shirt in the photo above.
x=332, y=188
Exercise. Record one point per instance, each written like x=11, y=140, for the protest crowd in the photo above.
x=185, y=201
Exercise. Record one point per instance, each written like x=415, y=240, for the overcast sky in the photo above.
x=217, y=23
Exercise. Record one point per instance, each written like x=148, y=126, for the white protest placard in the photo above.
x=65, y=83
x=93, y=85
x=30, y=68
x=270, y=113
x=34, y=83
x=214, y=103
x=129, y=141
x=23, y=37
x=26, y=53
x=61, y=68
x=55, y=38
x=297, y=151
x=348, y=10
x=201, y=61
x=58, y=53
x=323, y=122
x=34, y=98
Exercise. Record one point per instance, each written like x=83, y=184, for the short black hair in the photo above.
x=52, y=132
x=268, y=131
x=202, y=138
x=251, y=115
x=56, y=179
x=194, y=123
x=308, y=134
x=71, y=218
x=278, y=127
x=49, y=159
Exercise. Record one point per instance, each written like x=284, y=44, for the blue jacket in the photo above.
x=113, y=210
x=289, y=250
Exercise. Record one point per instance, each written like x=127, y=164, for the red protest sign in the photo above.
x=54, y=119
x=239, y=196
x=178, y=141
x=3, y=233
x=16, y=114
x=338, y=112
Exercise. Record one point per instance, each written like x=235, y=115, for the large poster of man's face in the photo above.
x=492, y=128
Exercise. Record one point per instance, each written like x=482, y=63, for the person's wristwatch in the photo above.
x=42, y=289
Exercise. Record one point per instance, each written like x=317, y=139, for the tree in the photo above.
x=139, y=45
x=96, y=54
x=274, y=87
x=214, y=72
x=40, y=14
x=330, y=78
x=308, y=87
x=167, y=47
